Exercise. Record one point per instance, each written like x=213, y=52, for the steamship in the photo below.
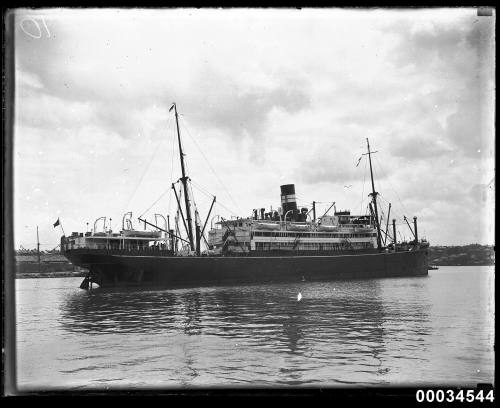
x=290, y=244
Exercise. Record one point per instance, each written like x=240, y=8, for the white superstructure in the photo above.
x=330, y=233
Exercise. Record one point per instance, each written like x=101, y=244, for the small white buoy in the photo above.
x=299, y=297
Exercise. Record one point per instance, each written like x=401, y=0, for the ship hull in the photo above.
x=182, y=271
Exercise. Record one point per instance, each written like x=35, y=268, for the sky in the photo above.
x=265, y=97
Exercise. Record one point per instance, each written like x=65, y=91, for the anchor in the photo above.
x=86, y=283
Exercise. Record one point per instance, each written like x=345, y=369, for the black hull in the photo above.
x=108, y=269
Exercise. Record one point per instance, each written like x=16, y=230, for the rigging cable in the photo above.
x=390, y=185
x=201, y=189
x=210, y=166
x=191, y=193
x=143, y=174
x=181, y=191
x=208, y=194
x=227, y=209
x=172, y=171
x=394, y=212
x=159, y=198
x=174, y=150
x=363, y=191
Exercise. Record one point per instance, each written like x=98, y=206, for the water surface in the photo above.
x=384, y=332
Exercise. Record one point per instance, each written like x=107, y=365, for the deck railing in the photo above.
x=127, y=251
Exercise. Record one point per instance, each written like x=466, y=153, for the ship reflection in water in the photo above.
x=336, y=334
x=399, y=331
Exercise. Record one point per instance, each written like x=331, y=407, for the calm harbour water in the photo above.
x=384, y=332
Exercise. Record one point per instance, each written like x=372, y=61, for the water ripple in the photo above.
x=366, y=332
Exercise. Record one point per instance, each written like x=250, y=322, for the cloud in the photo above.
x=242, y=110
x=119, y=79
x=268, y=96
x=458, y=53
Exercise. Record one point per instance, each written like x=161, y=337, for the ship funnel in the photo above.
x=288, y=201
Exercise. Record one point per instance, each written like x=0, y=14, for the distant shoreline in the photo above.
x=466, y=255
x=58, y=274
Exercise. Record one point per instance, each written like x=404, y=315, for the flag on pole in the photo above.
x=57, y=223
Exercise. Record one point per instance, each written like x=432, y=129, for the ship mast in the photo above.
x=374, y=195
x=184, y=180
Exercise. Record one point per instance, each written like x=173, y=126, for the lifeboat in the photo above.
x=328, y=228
x=142, y=234
x=267, y=226
x=297, y=227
